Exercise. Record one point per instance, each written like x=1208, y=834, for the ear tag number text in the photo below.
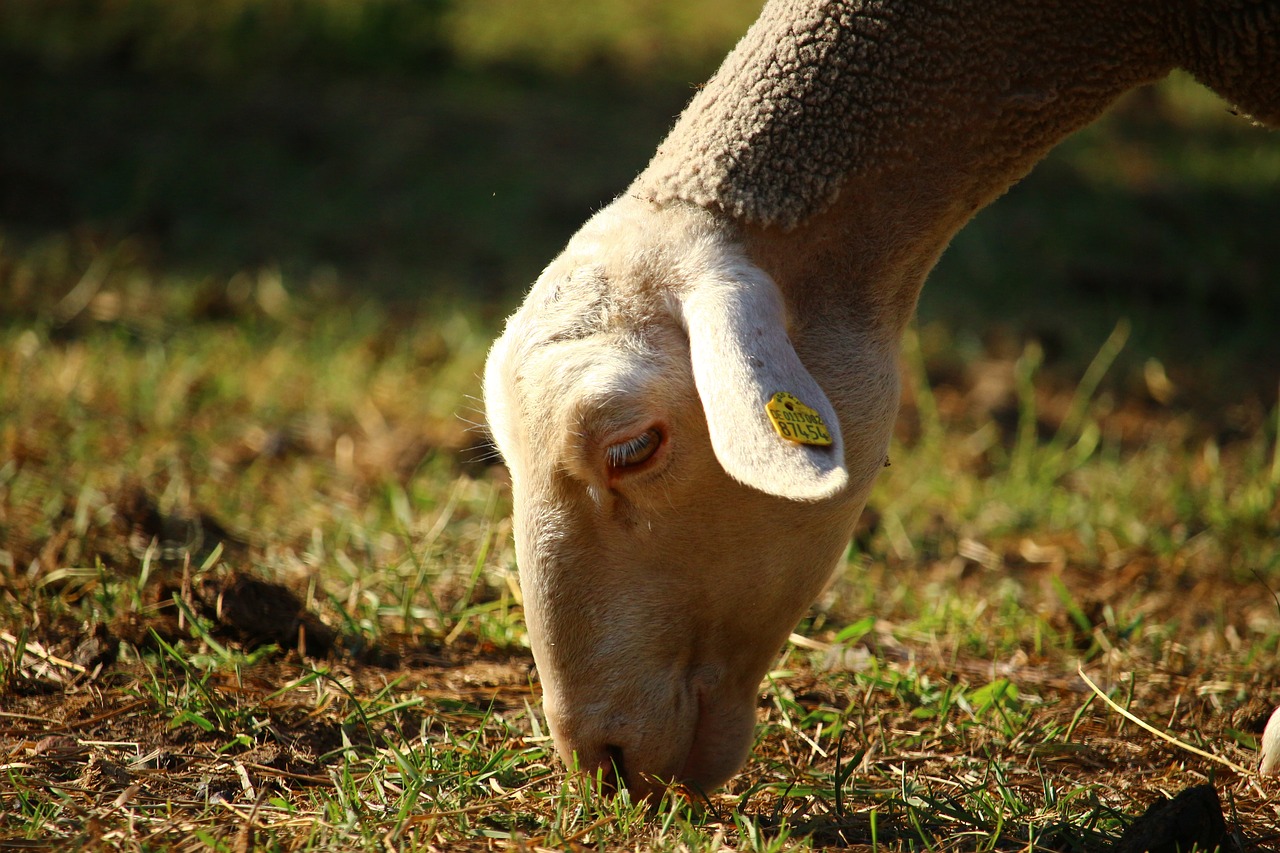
x=795, y=421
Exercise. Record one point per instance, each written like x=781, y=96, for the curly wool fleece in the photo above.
x=820, y=90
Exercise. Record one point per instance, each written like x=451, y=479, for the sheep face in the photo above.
x=668, y=537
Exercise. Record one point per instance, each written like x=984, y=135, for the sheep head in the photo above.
x=668, y=536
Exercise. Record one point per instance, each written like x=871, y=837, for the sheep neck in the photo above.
x=851, y=140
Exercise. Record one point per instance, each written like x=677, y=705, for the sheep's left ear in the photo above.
x=743, y=361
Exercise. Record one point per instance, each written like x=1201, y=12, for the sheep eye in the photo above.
x=633, y=451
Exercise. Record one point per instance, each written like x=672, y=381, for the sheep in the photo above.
x=695, y=397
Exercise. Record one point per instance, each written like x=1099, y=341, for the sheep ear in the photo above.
x=742, y=361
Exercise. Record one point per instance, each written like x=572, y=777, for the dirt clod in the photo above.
x=173, y=537
x=255, y=613
x=1191, y=819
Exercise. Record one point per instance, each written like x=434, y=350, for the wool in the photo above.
x=819, y=91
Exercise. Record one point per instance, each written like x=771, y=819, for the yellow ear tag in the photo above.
x=795, y=421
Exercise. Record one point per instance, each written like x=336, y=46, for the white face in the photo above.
x=658, y=586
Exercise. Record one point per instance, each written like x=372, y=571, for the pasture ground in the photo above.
x=259, y=593
x=257, y=589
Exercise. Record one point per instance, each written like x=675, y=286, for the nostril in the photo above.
x=615, y=772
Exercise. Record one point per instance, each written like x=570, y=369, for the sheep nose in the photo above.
x=613, y=776
x=608, y=766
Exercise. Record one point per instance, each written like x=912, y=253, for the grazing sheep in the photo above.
x=670, y=531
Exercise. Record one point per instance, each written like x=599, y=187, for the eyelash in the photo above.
x=634, y=451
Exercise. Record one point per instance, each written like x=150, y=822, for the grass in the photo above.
x=170, y=441
x=257, y=587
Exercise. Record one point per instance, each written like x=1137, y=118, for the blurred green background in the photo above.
x=426, y=150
